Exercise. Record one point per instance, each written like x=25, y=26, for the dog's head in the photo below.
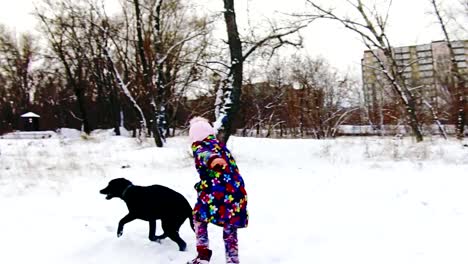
x=116, y=188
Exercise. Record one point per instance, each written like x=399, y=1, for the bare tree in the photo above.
x=114, y=73
x=61, y=28
x=262, y=103
x=147, y=73
x=92, y=63
x=324, y=96
x=455, y=73
x=16, y=57
x=101, y=76
x=302, y=96
x=168, y=51
x=126, y=91
x=179, y=43
x=371, y=27
x=228, y=97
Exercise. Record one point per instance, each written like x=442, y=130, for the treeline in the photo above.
x=149, y=68
x=154, y=64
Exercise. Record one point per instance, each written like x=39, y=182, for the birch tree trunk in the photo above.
x=126, y=91
x=147, y=74
x=459, y=80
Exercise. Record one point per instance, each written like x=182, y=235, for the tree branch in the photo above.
x=271, y=37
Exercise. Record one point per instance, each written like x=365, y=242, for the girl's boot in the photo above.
x=204, y=256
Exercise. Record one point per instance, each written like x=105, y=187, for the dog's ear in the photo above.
x=117, y=181
x=125, y=181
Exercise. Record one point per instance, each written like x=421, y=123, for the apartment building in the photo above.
x=425, y=69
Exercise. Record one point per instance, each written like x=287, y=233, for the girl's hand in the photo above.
x=218, y=163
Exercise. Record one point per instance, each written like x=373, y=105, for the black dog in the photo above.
x=150, y=204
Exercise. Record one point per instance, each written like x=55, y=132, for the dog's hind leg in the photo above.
x=157, y=238
x=161, y=237
x=172, y=230
x=176, y=238
x=152, y=231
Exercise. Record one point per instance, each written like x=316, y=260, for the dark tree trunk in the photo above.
x=234, y=83
x=161, y=78
x=78, y=88
x=147, y=74
x=79, y=92
x=114, y=102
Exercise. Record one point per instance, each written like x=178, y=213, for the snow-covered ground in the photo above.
x=350, y=200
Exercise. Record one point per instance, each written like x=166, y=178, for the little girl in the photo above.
x=222, y=199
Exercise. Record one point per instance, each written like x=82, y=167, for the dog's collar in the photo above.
x=126, y=189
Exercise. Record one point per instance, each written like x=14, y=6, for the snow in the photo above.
x=28, y=135
x=350, y=200
x=30, y=114
x=218, y=124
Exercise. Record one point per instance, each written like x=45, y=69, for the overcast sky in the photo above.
x=410, y=23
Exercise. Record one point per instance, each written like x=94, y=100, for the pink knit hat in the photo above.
x=200, y=128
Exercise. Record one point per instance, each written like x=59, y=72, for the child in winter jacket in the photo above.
x=222, y=199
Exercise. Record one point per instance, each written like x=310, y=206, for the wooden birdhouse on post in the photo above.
x=30, y=121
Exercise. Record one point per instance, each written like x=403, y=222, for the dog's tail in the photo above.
x=190, y=215
x=191, y=221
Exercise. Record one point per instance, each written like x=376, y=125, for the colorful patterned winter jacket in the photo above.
x=222, y=199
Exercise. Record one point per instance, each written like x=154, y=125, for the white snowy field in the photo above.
x=350, y=200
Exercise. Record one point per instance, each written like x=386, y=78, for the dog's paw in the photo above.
x=183, y=247
x=157, y=240
x=119, y=233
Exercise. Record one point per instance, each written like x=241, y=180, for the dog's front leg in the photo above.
x=122, y=222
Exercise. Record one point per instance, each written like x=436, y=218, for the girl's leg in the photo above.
x=201, y=231
x=204, y=254
x=230, y=243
